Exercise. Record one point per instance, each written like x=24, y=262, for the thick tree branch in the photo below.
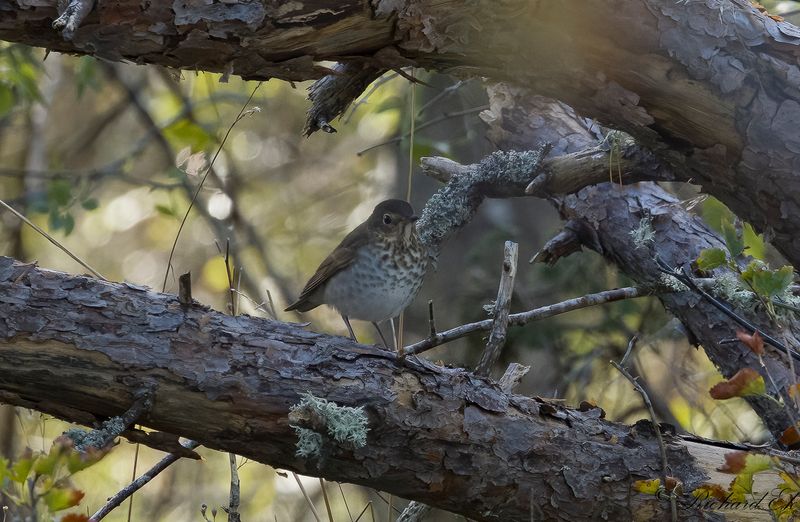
x=439, y=435
x=709, y=87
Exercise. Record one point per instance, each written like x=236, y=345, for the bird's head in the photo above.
x=393, y=219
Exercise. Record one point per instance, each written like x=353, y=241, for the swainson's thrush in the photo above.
x=375, y=272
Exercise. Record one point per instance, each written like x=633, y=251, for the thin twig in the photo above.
x=649, y=405
x=431, y=320
x=202, y=181
x=344, y=499
x=305, y=495
x=445, y=116
x=368, y=504
x=512, y=376
x=145, y=477
x=364, y=99
x=522, y=318
x=233, y=501
x=50, y=238
x=502, y=306
x=447, y=91
x=325, y=499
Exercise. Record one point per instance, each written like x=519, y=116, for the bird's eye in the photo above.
x=387, y=219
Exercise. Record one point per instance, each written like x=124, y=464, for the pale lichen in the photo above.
x=345, y=425
x=643, y=235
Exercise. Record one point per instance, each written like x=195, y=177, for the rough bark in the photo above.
x=710, y=86
x=602, y=218
x=77, y=347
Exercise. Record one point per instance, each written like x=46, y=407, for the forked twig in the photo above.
x=522, y=318
x=649, y=405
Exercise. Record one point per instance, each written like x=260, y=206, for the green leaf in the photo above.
x=6, y=99
x=63, y=498
x=733, y=239
x=711, y=258
x=165, y=210
x=90, y=204
x=4, y=469
x=22, y=467
x=85, y=74
x=59, y=192
x=184, y=133
x=69, y=224
x=768, y=283
x=754, y=242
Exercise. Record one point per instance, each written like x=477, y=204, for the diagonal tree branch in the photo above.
x=439, y=435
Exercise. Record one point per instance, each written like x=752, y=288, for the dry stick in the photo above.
x=447, y=91
x=649, y=405
x=233, y=503
x=512, y=376
x=143, y=479
x=308, y=499
x=325, y=498
x=502, y=305
x=202, y=181
x=368, y=504
x=344, y=499
x=416, y=511
x=522, y=318
x=364, y=99
x=234, y=495
x=52, y=240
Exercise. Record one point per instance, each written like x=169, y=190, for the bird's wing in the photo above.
x=341, y=257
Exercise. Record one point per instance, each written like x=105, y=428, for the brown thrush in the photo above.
x=376, y=270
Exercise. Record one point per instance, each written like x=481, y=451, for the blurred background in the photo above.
x=106, y=158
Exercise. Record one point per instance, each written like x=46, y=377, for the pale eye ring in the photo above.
x=387, y=219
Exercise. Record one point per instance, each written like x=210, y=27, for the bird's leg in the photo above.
x=383, y=339
x=394, y=336
x=349, y=328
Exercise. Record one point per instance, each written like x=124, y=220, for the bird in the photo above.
x=374, y=273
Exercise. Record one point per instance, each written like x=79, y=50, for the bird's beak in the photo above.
x=414, y=218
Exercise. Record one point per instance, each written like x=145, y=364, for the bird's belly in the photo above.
x=369, y=292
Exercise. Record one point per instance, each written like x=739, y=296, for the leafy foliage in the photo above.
x=39, y=480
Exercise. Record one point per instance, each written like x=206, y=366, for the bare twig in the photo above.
x=236, y=120
x=361, y=514
x=233, y=501
x=52, y=240
x=431, y=319
x=146, y=477
x=344, y=499
x=502, y=305
x=512, y=376
x=522, y=318
x=364, y=99
x=447, y=91
x=326, y=499
x=649, y=405
x=305, y=495
x=185, y=288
